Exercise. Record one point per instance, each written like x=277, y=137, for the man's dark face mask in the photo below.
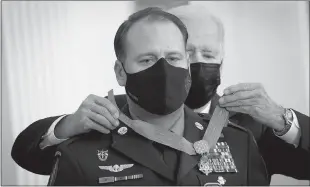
x=160, y=89
x=205, y=80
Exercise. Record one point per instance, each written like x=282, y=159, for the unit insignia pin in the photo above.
x=102, y=155
x=221, y=180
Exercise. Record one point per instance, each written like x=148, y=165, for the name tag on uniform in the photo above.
x=103, y=180
x=218, y=160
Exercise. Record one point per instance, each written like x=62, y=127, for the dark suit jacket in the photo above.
x=78, y=163
x=280, y=157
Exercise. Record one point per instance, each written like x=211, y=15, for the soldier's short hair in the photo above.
x=149, y=14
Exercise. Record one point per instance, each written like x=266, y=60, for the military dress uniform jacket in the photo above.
x=77, y=162
x=280, y=157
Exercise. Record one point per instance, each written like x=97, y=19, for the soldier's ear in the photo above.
x=188, y=60
x=120, y=73
x=221, y=67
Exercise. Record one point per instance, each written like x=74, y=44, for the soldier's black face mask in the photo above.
x=205, y=80
x=160, y=89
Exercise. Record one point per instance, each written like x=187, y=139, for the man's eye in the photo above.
x=146, y=61
x=172, y=59
x=208, y=56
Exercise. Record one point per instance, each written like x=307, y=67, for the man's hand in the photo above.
x=252, y=99
x=95, y=113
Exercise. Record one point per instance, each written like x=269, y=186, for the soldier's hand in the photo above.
x=95, y=113
x=252, y=99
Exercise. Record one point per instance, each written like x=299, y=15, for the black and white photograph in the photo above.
x=155, y=93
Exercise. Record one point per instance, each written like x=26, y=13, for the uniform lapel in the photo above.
x=192, y=134
x=140, y=149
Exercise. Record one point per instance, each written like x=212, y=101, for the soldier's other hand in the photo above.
x=95, y=113
x=252, y=99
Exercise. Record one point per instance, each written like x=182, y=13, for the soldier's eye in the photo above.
x=173, y=59
x=146, y=61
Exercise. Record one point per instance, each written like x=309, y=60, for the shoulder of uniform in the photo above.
x=84, y=140
x=69, y=141
x=237, y=127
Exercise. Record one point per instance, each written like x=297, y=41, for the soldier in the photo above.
x=27, y=153
x=152, y=65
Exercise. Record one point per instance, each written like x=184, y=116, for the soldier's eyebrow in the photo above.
x=146, y=54
x=152, y=54
x=175, y=53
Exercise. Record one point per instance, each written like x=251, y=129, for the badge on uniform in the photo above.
x=102, y=155
x=116, y=168
x=199, y=126
x=111, y=179
x=122, y=130
x=220, y=181
x=217, y=160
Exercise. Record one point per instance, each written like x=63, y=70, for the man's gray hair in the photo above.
x=198, y=13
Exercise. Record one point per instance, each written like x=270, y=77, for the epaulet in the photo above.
x=89, y=136
x=233, y=125
x=69, y=141
x=73, y=139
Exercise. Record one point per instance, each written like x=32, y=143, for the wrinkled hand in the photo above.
x=252, y=99
x=95, y=113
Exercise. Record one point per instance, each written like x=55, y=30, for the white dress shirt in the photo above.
x=291, y=137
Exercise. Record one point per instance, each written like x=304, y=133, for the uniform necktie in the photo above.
x=169, y=155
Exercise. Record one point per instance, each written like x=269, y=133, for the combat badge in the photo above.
x=103, y=155
x=217, y=160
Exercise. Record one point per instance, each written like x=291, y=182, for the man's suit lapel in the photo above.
x=192, y=134
x=214, y=102
x=139, y=149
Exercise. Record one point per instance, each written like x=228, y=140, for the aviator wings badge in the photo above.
x=116, y=168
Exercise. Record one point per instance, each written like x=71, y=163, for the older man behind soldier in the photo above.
x=282, y=134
